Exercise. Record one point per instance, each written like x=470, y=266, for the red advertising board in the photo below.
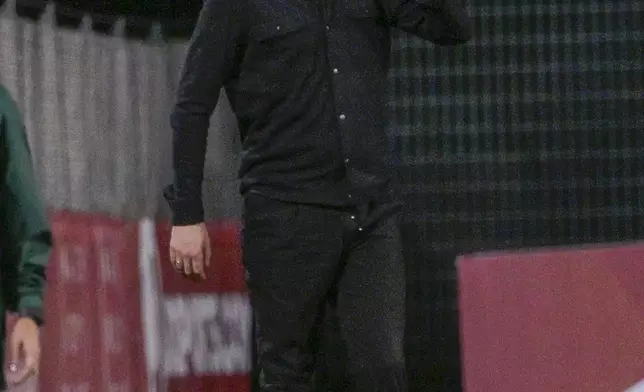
x=94, y=339
x=117, y=303
x=93, y=332
x=553, y=320
x=206, y=326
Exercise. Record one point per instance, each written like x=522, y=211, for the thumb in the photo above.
x=31, y=362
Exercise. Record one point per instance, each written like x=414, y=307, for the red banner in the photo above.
x=206, y=326
x=196, y=336
x=561, y=320
x=92, y=338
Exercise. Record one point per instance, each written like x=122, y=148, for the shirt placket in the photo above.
x=334, y=66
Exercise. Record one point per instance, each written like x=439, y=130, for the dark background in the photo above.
x=176, y=16
x=531, y=135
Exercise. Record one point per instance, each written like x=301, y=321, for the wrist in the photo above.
x=33, y=314
x=185, y=211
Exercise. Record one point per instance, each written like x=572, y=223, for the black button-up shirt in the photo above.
x=307, y=81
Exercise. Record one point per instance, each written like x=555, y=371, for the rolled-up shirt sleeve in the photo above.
x=212, y=55
x=443, y=22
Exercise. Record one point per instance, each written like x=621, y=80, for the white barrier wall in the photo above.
x=97, y=107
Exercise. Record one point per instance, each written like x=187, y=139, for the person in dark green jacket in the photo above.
x=25, y=246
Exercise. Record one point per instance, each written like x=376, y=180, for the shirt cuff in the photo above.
x=31, y=307
x=185, y=212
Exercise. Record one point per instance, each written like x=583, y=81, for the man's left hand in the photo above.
x=24, y=351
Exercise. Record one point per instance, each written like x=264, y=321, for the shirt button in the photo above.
x=350, y=196
x=359, y=228
x=279, y=28
x=335, y=71
x=353, y=217
x=346, y=160
x=342, y=117
x=328, y=27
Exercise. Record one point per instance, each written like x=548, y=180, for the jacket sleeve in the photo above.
x=212, y=55
x=28, y=240
x=443, y=22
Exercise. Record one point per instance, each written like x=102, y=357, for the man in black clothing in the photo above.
x=307, y=82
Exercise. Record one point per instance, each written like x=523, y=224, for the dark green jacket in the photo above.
x=25, y=235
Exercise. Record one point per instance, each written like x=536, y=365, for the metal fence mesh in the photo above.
x=531, y=135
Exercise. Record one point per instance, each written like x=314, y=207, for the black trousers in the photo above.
x=301, y=258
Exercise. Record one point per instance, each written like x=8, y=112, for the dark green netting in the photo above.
x=531, y=135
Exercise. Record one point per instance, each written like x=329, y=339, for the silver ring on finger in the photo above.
x=178, y=265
